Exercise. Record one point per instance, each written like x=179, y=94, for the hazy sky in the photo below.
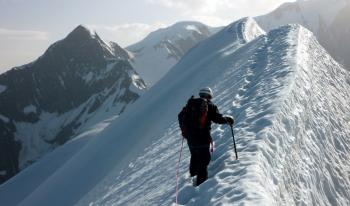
x=28, y=27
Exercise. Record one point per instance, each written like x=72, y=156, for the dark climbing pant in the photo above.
x=200, y=158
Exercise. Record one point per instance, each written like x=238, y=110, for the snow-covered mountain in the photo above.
x=78, y=82
x=289, y=98
x=160, y=50
x=327, y=19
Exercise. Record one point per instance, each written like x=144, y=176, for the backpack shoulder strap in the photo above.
x=205, y=109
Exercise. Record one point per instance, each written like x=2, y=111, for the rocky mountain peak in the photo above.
x=79, y=79
x=80, y=32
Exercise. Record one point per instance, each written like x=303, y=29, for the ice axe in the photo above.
x=234, y=142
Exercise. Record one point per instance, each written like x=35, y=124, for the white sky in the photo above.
x=28, y=27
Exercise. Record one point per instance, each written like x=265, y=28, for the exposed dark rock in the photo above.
x=75, y=73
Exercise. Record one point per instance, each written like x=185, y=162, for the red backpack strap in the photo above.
x=204, y=115
x=204, y=119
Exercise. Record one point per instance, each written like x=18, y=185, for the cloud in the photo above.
x=126, y=34
x=8, y=34
x=219, y=11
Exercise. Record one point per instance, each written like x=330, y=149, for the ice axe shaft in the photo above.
x=234, y=142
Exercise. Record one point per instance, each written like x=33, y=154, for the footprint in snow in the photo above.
x=186, y=193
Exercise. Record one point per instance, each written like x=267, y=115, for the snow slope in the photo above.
x=160, y=50
x=289, y=98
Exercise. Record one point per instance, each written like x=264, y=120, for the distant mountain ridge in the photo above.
x=327, y=19
x=153, y=56
x=45, y=103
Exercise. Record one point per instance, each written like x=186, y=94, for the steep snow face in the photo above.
x=162, y=49
x=327, y=19
x=77, y=82
x=307, y=145
x=289, y=100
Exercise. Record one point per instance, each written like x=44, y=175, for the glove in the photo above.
x=229, y=119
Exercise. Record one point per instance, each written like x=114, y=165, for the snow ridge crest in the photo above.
x=246, y=29
x=302, y=116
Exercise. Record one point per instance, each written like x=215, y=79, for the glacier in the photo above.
x=290, y=100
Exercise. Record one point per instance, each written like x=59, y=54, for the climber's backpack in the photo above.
x=192, y=118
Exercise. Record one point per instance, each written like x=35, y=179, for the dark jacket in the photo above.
x=203, y=138
x=214, y=116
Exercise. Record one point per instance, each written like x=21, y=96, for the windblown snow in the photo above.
x=289, y=98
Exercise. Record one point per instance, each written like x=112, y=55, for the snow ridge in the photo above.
x=311, y=128
x=280, y=117
x=247, y=28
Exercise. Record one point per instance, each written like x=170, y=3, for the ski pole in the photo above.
x=178, y=171
x=234, y=142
